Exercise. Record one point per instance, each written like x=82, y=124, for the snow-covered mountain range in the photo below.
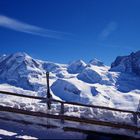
x=92, y=83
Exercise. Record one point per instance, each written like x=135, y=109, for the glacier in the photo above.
x=90, y=83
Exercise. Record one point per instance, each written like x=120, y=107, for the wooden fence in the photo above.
x=63, y=117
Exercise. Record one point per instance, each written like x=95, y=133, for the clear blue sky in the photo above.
x=78, y=29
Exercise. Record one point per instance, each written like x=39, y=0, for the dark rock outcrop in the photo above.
x=129, y=64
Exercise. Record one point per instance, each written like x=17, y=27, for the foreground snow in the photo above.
x=12, y=130
x=38, y=129
x=70, y=110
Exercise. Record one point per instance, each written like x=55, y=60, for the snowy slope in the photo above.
x=91, y=83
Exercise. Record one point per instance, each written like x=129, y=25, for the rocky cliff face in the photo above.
x=128, y=64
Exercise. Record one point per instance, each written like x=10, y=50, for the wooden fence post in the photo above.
x=135, y=119
x=138, y=109
x=48, y=91
x=62, y=111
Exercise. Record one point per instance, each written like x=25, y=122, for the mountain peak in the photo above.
x=20, y=54
x=76, y=66
x=96, y=62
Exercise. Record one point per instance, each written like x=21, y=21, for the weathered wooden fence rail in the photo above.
x=69, y=118
x=69, y=103
x=63, y=117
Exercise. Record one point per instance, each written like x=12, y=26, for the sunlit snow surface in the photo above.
x=90, y=83
x=90, y=113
